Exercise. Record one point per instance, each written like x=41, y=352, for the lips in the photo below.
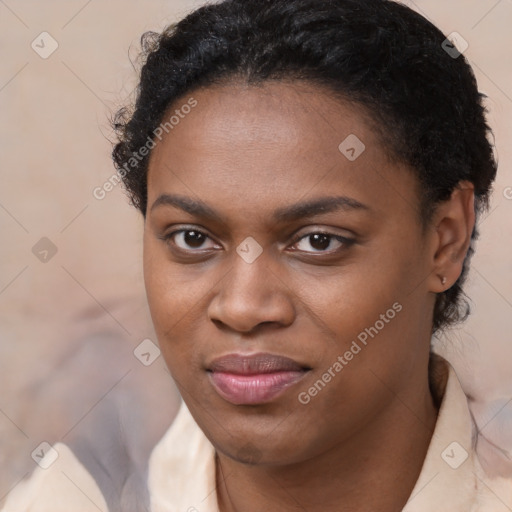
x=254, y=379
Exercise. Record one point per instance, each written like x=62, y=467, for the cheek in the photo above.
x=348, y=300
x=176, y=297
x=368, y=311
x=155, y=281
x=169, y=288
x=165, y=296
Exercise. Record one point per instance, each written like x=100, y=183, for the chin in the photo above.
x=257, y=451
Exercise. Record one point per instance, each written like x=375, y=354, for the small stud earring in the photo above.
x=443, y=280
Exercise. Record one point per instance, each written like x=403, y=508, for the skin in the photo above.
x=246, y=151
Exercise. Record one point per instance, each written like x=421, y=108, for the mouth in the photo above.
x=254, y=379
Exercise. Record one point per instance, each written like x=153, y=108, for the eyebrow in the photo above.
x=289, y=213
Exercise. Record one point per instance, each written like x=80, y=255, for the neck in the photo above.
x=375, y=469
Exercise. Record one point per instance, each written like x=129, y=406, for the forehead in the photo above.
x=270, y=115
x=269, y=142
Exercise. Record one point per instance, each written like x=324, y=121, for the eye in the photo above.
x=322, y=242
x=189, y=239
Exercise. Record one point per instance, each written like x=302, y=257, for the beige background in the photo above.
x=68, y=326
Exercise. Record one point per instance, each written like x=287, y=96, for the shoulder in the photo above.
x=493, y=423
x=60, y=483
x=182, y=468
x=453, y=477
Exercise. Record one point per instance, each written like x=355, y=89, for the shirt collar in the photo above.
x=182, y=465
x=447, y=479
x=181, y=474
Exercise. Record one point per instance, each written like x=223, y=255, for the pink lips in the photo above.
x=253, y=379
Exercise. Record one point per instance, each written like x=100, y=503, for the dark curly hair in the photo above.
x=392, y=62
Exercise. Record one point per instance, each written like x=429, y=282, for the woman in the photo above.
x=310, y=173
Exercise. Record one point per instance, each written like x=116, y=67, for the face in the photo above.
x=285, y=269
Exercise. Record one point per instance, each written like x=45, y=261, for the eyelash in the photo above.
x=344, y=241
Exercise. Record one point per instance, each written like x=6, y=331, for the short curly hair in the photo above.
x=420, y=92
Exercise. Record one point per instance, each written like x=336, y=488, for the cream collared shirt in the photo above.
x=181, y=475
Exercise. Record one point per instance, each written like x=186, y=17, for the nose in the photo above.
x=250, y=295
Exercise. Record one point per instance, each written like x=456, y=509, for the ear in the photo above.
x=452, y=225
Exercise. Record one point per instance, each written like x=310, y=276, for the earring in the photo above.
x=443, y=280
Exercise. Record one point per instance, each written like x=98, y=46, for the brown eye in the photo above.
x=319, y=241
x=193, y=238
x=322, y=242
x=188, y=239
